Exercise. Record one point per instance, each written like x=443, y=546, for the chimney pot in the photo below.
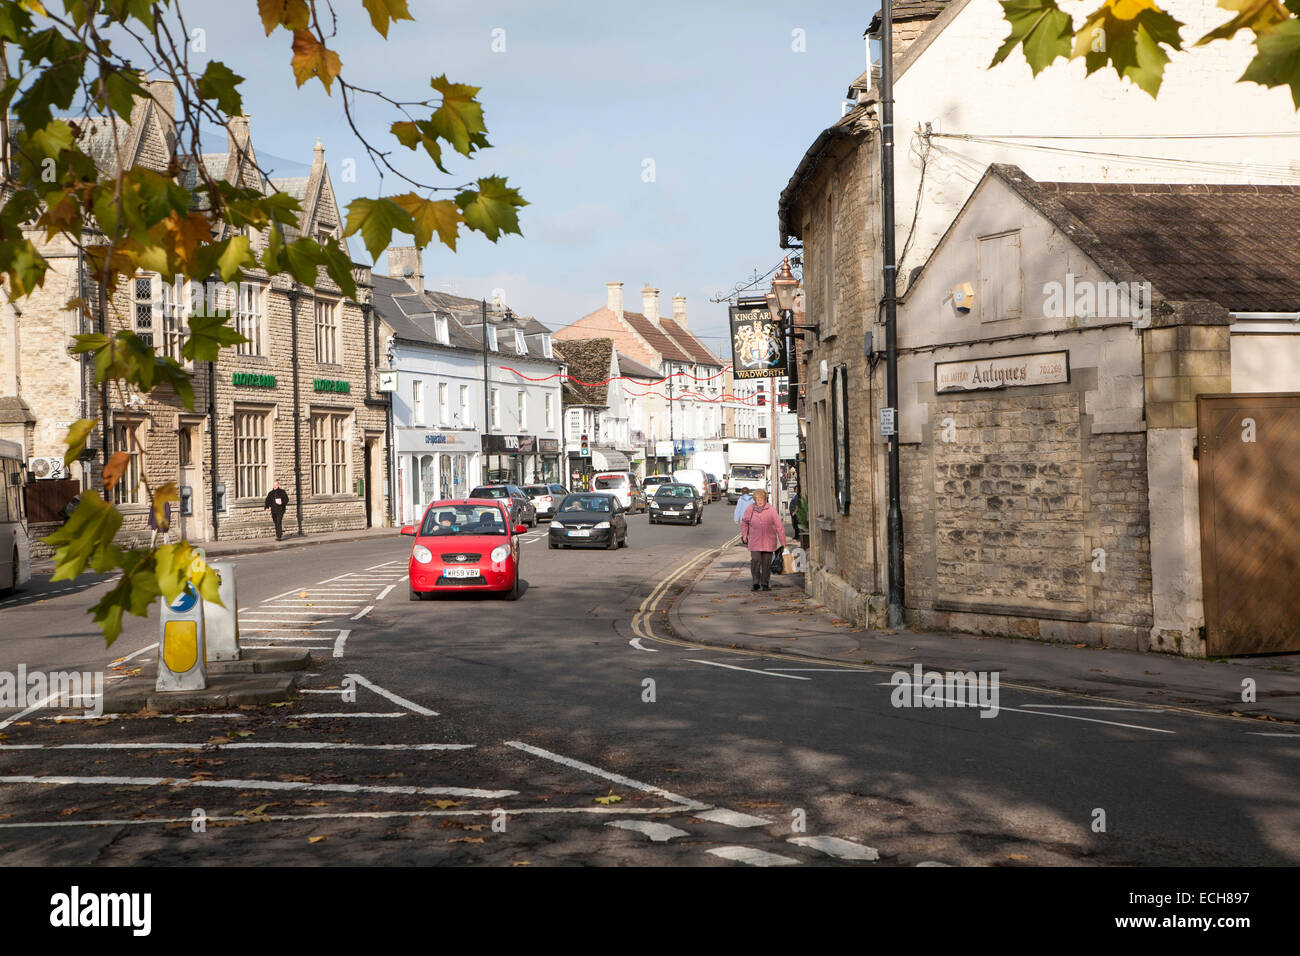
x=650, y=303
x=679, y=310
x=614, y=297
x=406, y=262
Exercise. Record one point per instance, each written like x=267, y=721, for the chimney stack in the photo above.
x=650, y=303
x=406, y=262
x=614, y=297
x=237, y=134
x=679, y=310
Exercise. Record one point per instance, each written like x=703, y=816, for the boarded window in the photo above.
x=1001, y=285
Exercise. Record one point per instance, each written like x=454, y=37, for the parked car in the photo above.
x=587, y=518
x=623, y=486
x=715, y=489
x=465, y=545
x=521, y=507
x=677, y=503
x=696, y=479
x=650, y=482
x=545, y=497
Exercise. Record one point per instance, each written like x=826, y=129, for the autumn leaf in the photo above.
x=466, y=840
x=163, y=495
x=115, y=468
x=1039, y=26
x=491, y=209
x=1258, y=16
x=1278, y=60
x=76, y=439
x=383, y=11
x=459, y=119
x=315, y=839
x=376, y=219
x=290, y=14
x=313, y=58
x=218, y=82
x=432, y=215
x=1129, y=34
x=445, y=804
x=607, y=800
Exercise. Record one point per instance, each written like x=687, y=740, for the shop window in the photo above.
x=252, y=454
x=329, y=457
x=327, y=332
x=127, y=438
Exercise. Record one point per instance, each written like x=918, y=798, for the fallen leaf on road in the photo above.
x=302, y=594
x=1017, y=856
x=607, y=800
x=445, y=804
x=465, y=840
x=315, y=839
x=294, y=726
x=68, y=811
x=239, y=733
x=310, y=803
x=521, y=863
x=1080, y=645
x=450, y=824
x=183, y=720
x=283, y=703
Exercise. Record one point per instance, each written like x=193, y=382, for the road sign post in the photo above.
x=181, y=645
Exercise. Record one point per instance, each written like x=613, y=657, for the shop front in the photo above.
x=514, y=458
x=433, y=465
x=549, y=456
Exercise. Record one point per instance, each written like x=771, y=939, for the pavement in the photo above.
x=241, y=546
x=719, y=609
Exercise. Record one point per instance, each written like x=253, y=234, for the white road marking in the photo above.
x=1149, y=710
x=236, y=784
x=753, y=856
x=353, y=815
x=636, y=642
x=363, y=612
x=732, y=818
x=1262, y=733
x=235, y=745
x=299, y=647
x=393, y=713
x=658, y=832
x=750, y=670
x=836, y=847
x=1091, y=720
x=400, y=701
x=32, y=709
x=932, y=863
x=278, y=636
x=607, y=775
x=385, y=592
x=339, y=642
x=827, y=670
x=134, y=654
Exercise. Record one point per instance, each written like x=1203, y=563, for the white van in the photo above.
x=623, y=486
x=691, y=476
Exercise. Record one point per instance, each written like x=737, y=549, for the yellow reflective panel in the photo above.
x=180, y=645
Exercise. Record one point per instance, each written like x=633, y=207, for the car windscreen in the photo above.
x=578, y=503
x=498, y=492
x=463, y=519
x=675, y=491
x=536, y=491
x=655, y=480
x=605, y=482
x=746, y=472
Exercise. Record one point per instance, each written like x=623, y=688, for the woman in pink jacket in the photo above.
x=761, y=530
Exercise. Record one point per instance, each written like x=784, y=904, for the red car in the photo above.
x=465, y=545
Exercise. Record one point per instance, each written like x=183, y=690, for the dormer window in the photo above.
x=491, y=337
x=440, y=329
x=521, y=346
x=546, y=346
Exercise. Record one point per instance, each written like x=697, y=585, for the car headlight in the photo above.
x=602, y=526
x=422, y=554
x=654, y=504
x=690, y=506
x=557, y=525
x=499, y=554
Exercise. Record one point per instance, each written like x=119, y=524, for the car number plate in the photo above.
x=672, y=514
x=579, y=534
x=460, y=572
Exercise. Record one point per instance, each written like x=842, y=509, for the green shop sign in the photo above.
x=253, y=380
x=331, y=385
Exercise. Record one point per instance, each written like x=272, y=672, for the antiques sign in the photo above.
x=757, y=344
x=1044, y=368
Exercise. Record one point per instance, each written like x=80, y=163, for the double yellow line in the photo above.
x=642, y=621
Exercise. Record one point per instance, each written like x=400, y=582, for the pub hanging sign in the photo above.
x=757, y=344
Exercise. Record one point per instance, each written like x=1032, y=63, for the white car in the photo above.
x=696, y=479
x=545, y=498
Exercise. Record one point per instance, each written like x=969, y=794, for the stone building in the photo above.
x=956, y=118
x=293, y=404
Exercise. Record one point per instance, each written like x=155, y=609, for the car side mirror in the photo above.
x=408, y=529
x=521, y=529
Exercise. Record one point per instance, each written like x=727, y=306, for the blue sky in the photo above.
x=584, y=93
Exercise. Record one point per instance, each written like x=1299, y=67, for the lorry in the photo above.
x=750, y=462
x=711, y=458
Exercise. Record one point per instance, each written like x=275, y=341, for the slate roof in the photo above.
x=634, y=369
x=655, y=336
x=1237, y=245
x=909, y=10
x=683, y=337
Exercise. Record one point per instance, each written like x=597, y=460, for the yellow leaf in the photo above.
x=441, y=215
x=315, y=839
x=606, y=801
x=444, y=804
x=313, y=58
x=113, y=470
x=161, y=496
x=290, y=14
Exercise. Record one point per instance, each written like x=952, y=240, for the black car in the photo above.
x=587, y=518
x=676, y=504
x=521, y=506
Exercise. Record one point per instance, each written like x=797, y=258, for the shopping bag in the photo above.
x=778, y=565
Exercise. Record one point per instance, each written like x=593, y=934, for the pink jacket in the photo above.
x=762, y=528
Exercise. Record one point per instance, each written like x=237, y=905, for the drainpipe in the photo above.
x=294, y=295
x=212, y=443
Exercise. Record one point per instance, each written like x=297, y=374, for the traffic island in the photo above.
x=262, y=660
x=224, y=691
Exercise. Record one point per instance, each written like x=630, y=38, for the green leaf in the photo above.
x=492, y=208
x=442, y=216
x=237, y=255
x=376, y=219
x=459, y=119
x=218, y=83
x=1041, y=27
x=383, y=11
x=54, y=86
x=1255, y=15
x=78, y=434
x=208, y=335
x=339, y=266
x=1129, y=34
x=412, y=135
x=135, y=592
x=302, y=256
x=117, y=90
x=87, y=538
x=273, y=255
x=23, y=266
x=52, y=139
x=1278, y=60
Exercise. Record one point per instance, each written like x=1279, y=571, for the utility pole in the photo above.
x=895, y=513
x=487, y=409
x=672, y=435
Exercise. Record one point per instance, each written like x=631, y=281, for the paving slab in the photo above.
x=223, y=691
x=719, y=609
x=262, y=660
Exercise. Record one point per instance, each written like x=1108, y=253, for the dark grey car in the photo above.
x=589, y=518
x=676, y=504
x=521, y=506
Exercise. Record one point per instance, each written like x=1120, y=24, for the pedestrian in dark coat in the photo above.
x=761, y=530
x=277, y=501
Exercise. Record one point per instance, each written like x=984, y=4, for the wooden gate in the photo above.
x=1249, y=451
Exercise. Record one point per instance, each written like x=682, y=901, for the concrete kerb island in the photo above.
x=716, y=608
